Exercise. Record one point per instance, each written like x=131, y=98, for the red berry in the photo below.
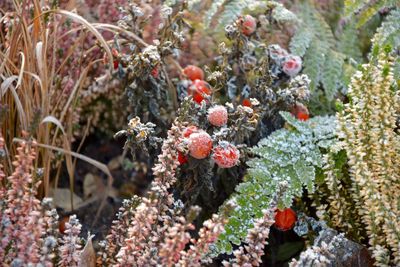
x=303, y=116
x=199, y=89
x=189, y=130
x=193, y=73
x=182, y=158
x=300, y=112
x=154, y=72
x=200, y=145
x=246, y=102
x=218, y=115
x=285, y=220
x=116, y=64
x=226, y=155
x=249, y=25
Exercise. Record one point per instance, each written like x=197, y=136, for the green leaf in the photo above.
x=332, y=73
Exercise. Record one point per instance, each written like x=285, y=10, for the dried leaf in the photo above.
x=92, y=185
x=62, y=198
x=88, y=254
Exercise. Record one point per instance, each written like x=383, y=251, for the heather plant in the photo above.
x=368, y=182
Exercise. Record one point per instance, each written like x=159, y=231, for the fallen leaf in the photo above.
x=92, y=185
x=62, y=198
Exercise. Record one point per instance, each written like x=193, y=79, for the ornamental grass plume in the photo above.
x=367, y=133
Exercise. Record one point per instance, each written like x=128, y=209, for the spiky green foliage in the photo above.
x=286, y=162
x=364, y=10
x=315, y=42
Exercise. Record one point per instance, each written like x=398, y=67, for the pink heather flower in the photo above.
x=292, y=65
x=218, y=115
x=200, y=145
x=226, y=155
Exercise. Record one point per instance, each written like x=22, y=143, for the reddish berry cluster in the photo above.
x=199, y=89
x=200, y=145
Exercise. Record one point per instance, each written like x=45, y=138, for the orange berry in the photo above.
x=193, y=73
x=199, y=89
x=249, y=25
x=303, y=116
x=200, y=145
x=246, y=102
x=226, y=155
x=300, y=112
x=285, y=220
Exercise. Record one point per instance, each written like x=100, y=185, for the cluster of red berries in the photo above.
x=200, y=146
x=199, y=89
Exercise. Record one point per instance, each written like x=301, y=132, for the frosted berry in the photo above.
x=189, y=130
x=182, y=158
x=285, y=220
x=199, y=89
x=193, y=73
x=249, y=25
x=300, y=112
x=226, y=155
x=291, y=65
x=246, y=102
x=200, y=145
x=218, y=115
